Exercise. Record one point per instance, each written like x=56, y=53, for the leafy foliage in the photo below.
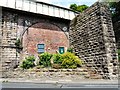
x=45, y=59
x=79, y=8
x=66, y=60
x=114, y=7
x=28, y=62
x=70, y=50
x=18, y=43
x=70, y=61
x=57, y=58
x=73, y=7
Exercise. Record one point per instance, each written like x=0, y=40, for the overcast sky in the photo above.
x=66, y=3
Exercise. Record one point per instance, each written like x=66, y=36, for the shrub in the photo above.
x=57, y=59
x=28, y=62
x=45, y=59
x=70, y=50
x=70, y=61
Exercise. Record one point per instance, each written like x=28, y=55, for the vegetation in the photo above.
x=115, y=8
x=45, y=59
x=18, y=43
x=66, y=60
x=28, y=62
x=73, y=7
x=57, y=61
x=70, y=50
x=70, y=61
x=57, y=58
x=79, y=8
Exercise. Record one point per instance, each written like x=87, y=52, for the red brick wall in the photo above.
x=44, y=33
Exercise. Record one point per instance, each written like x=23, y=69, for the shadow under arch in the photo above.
x=61, y=28
x=60, y=38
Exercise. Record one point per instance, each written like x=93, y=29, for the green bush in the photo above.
x=70, y=61
x=57, y=59
x=66, y=60
x=70, y=50
x=28, y=62
x=45, y=59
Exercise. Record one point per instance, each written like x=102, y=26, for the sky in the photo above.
x=66, y=3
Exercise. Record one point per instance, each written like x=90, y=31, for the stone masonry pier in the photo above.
x=92, y=38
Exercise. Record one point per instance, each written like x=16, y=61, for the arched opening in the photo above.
x=44, y=37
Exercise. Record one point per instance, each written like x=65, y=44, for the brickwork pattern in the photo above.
x=92, y=38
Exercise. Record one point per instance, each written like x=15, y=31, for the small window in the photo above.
x=61, y=50
x=41, y=48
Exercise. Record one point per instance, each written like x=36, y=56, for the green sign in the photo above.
x=61, y=50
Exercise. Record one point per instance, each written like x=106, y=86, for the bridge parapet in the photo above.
x=39, y=8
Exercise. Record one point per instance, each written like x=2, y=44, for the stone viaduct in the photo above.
x=26, y=24
x=92, y=37
x=30, y=27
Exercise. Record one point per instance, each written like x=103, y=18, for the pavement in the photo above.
x=36, y=83
x=82, y=81
x=57, y=85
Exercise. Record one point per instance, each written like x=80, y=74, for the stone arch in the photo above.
x=47, y=22
x=44, y=33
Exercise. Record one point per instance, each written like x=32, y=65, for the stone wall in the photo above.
x=51, y=74
x=92, y=38
x=8, y=33
x=15, y=24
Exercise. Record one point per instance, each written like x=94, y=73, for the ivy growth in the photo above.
x=18, y=43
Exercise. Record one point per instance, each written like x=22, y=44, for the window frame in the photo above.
x=40, y=48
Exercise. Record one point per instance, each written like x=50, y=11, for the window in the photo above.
x=41, y=48
x=61, y=50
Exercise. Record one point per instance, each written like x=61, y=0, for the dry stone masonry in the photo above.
x=92, y=38
x=50, y=74
x=8, y=32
